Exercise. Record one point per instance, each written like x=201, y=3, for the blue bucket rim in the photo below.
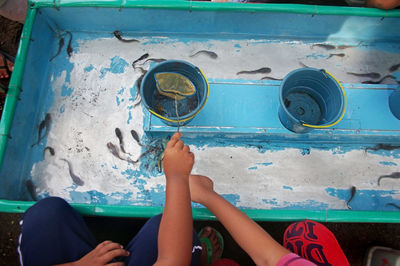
x=282, y=105
x=201, y=103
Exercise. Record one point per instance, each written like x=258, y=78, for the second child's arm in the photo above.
x=260, y=246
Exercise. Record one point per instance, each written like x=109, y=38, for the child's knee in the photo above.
x=54, y=203
x=52, y=206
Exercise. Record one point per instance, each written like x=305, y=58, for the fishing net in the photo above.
x=174, y=85
x=175, y=95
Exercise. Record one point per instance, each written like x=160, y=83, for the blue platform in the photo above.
x=249, y=110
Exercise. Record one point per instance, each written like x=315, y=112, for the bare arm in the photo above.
x=176, y=228
x=260, y=246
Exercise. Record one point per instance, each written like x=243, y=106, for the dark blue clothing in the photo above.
x=52, y=232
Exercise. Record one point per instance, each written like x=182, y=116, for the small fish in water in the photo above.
x=381, y=146
x=138, y=84
x=263, y=70
x=342, y=47
x=159, y=109
x=44, y=124
x=303, y=65
x=50, y=149
x=352, y=194
x=205, y=52
x=372, y=75
x=114, y=151
x=271, y=78
x=160, y=162
x=393, y=205
x=157, y=60
x=394, y=175
x=76, y=179
x=394, y=68
x=287, y=103
x=31, y=189
x=154, y=153
x=338, y=55
x=120, y=138
x=141, y=69
x=379, y=81
x=325, y=46
x=117, y=35
x=69, y=47
x=135, y=136
x=60, y=46
x=140, y=59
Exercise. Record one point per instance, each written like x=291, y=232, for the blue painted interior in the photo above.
x=35, y=99
x=224, y=24
x=252, y=107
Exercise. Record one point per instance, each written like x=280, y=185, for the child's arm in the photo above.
x=176, y=228
x=260, y=246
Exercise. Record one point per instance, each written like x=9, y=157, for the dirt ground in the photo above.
x=9, y=229
x=10, y=32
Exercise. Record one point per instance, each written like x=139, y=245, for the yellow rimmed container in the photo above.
x=180, y=111
x=311, y=98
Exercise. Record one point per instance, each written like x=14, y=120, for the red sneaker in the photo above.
x=314, y=242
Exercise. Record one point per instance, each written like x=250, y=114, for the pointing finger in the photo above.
x=175, y=138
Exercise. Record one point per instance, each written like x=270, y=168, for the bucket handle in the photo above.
x=344, y=109
x=188, y=118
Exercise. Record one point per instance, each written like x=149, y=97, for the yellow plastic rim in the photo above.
x=191, y=117
x=344, y=109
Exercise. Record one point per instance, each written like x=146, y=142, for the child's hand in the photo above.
x=178, y=160
x=200, y=188
x=102, y=255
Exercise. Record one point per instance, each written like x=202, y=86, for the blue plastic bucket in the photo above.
x=164, y=107
x=310, y=98
x=394, y=103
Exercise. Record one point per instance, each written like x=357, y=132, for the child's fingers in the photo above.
x=175, y=138
x=186, y=148
x=179, y=145
x=103, y=244
x=110, y=246
x=115, y=253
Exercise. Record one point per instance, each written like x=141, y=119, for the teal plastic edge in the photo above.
x=211, y=6
x=347, y=216
x=14, y=87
